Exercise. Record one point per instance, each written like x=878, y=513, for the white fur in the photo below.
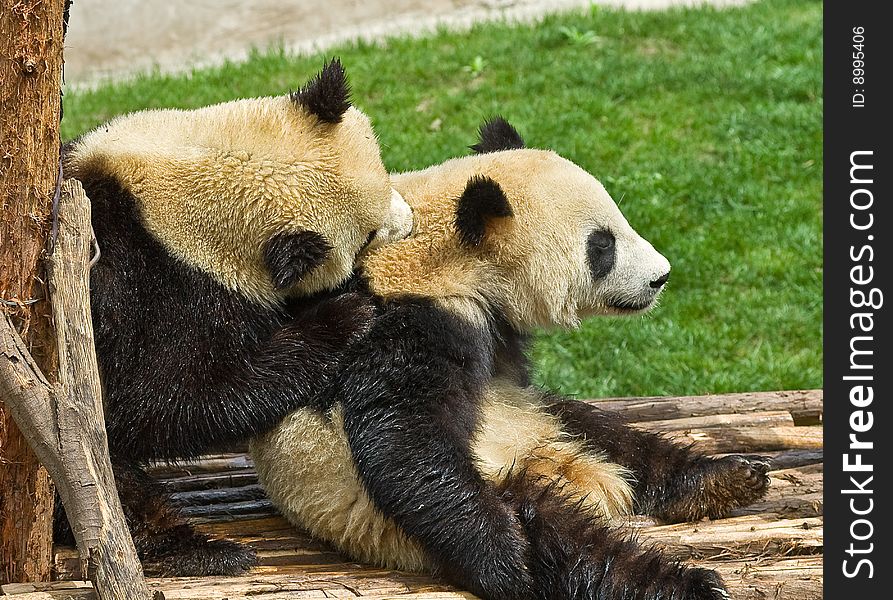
x=216, y=183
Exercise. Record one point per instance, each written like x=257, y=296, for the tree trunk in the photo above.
x=30, y=81
x=64, y=422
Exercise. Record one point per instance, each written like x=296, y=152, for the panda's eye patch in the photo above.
x=600, y=253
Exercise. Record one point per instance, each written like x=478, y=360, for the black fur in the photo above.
x=497, y=134
x=575, y=555
x=411, y=394
x=673, y=482
x=510, y=360
x=189, y=366
x=166, y=544
x=601, y=253
x=327, y=95
x=291, y=256
x=482, y=200
x=411, y=443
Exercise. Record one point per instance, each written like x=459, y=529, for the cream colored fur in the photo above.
x=214, y=184
x=537, y=274
x=516, y=435
x=307, y=469
x=533, y=267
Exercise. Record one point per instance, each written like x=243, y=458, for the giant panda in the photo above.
x=431, y=451
x=208, y=221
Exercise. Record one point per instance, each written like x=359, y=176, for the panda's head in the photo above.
x=273, y=196
x=525, y=231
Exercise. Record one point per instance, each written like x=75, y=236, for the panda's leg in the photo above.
x=673, y=482
x=516, y=434
x=165, y=542
x=574, y=554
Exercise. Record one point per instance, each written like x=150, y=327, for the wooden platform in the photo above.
x=771, y=550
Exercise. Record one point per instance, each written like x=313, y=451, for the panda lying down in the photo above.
x=432, y=451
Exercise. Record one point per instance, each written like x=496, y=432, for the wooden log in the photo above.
x=53, y=590
x=64, y=423
x=270, y=528
x=224, y=495
x=743, y=440
x=786, y=579
x=805, y=406
x=793, y=493
x=753, y=579
x=781, y=459
x=230, y=509
x=217, y=463
x=739, y=537
x=775, y=418
x=210, y=481
x=791, y=459
x=359, y=581
x=699, y=539
x=749, y=535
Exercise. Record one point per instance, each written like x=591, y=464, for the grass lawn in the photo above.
x=707, y=124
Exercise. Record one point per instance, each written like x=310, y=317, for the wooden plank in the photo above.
x=754, y=579
x=805, y=406
x=52, y=590
x=213, y=463
x=791, y=459
x=208, y=481
x=230, y=509
x=746, y=535
x=775, y=418
x=360, y=581
x=725, y=440
x=750, y=536
x=793, y=493
x=786, y=579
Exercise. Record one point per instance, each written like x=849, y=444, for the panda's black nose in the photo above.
x=660, y=281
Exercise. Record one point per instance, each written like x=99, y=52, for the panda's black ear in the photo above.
x=291, y=256
x=327, y=95
x=497, y=134
x=481, y=201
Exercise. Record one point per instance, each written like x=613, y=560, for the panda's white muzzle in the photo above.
x=640, y=279
x=397, y=224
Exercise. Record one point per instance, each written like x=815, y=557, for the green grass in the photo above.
x=707, y=123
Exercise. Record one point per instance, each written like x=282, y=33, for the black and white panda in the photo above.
x=432, y=451
x=208, y=221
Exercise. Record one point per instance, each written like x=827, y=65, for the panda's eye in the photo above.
x=602, y=240
x=600, y=253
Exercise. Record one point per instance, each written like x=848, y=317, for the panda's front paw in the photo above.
x=333, y=323
x=347, y=317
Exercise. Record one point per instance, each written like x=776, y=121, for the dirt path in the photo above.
x=115, y=38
